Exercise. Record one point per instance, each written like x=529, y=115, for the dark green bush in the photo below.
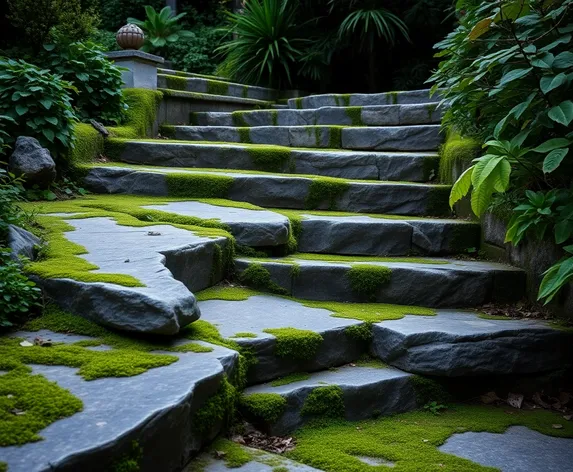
x=10, y=192
x=39, y=102
x=196, y=53
x=105, y=40
x=97, y=80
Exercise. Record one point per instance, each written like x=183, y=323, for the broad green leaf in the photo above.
x=480, y=28
x=462, y=186
x=501, y=176
x=563, y=231
x=550, y=83
x=553, y=159
x=481, y=196
x=552, y=144
x=563, y=60
x=21, y=109
x=562, y=40
x=562, y=113
x=514, y=74
x=544, y=61
x=518, y=110
x=554, y=279
x=484, y=166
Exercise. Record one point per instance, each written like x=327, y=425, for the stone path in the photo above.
x=348, y=181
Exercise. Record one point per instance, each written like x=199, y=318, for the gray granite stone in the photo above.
x=275, y=190
x=393, y=138
x=171, y=264
x=139, y=68
x=250, y=227
x=155, y=408
x=367, y=392
x=519, y=449
x=405, y=166
x=455, y=284
x=32, y=162
x=261, y=312
x=22, y=242
x=455, y=343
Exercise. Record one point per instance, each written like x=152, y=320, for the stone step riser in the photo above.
x=386, y=237
x=287, y=192
x=392, y=138
x=364, y=99
x=385, y=395
x=430, y=286
x=215, y=87
x=391, y=115
x=410, y=167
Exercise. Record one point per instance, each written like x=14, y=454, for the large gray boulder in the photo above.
x=33, y=162
x=22, y=242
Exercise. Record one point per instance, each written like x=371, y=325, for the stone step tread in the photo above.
x=382, y=138
x=163, y=70
x=273, y=190
x=199, y=77
x=427, y=281
x=214, y=98
x=370, y=115
x=361, y=99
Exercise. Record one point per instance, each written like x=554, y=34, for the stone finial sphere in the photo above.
x=130, y=36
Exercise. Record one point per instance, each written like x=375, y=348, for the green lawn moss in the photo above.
x=296, y=344
x=167, y=131
x=298, y=103
x=371, y=362
x=266, y=407
x=411, y=440
x=325, y=189
x=88, y=145
x=259, y=277
x=274, y=117
x=367, y=280
x=456, y=149
x=233, y=454
x=363, y=259
x=291, y=378
x=324, y=402
x=198, y=185
x=141, y=114
x=244, y=334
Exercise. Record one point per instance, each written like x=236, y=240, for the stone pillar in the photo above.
x=141, y=68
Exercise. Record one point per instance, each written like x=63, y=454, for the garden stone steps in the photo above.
x=386, y=115
x=180, y=73
x=431, y=282
x=369, y=138
x=272, y=190
x=365, y=392
x=364, y=99
x=371, y=165
x=214, y=87
x=178, y=104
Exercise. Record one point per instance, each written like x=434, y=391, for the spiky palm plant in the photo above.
x=264, y=45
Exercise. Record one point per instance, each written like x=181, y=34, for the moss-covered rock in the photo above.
x=366, y=280
x=265, y=407
x=456, y=149
x=198, y=185
x=297, y=344
x=325, y=402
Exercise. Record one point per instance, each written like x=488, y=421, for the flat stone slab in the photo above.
x=261, y=312
x=367, y=391
x=443, y=283
x=280, y=191
x=364, y=99
x=249, y=227
x=262, y=462
x=215, y=86
x=387, y=115
x=455, y=343
x=171, y=262
x=519, y=449
x=369, y=236
x=405, y=166
x=389, y=138
x=155, y=409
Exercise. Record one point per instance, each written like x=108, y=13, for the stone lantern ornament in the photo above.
x=130, y=36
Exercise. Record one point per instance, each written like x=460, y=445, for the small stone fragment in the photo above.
x=568, y=417
x=26, y=344
x=489, y=398
x=557, y=426
x=515, y=400
x=153, y=233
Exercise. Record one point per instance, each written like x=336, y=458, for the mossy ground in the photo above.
x=325, y=402
x=411, y=440
x=291, y=378
x=267, y=407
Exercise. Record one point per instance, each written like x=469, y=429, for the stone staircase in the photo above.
x=347, y=181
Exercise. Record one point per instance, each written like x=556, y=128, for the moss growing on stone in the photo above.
x=259, y=277
x=363, y=259
x=41, y=401
x=233, y=454
x=291, y=378
x=455, y=150
x=325, y=402
x=245, y=135
x=431, y=108
x=245, y=91
x=244, y=334
x=429, y=390
x=266, y=407
x=131, y=461
x=371, y=362
x=355, y=115
x=293, y=343
x=216, y=87
x=274, y=117
x=88, y=145
x=239, y=119
x=270, y=158
x=411, y=440
x=392, y=98
x=140, y=115
x=218, y=409
x=3, y=467
x=167, y=131
x=298, y=103
x=198, y=185
x=360, y=332
x=335, y=137
x=175, y=82
x=367, y=280
x=342, y=100
x=325, y=189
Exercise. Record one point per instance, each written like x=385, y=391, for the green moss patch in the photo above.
x=267, y=407
x=244, y=135
x=362, y=259
x=429, y=390
x=239, y=119
x=360, y=332
x=259, y=277
x=88, y=145
x=371, y=362
x=176, y=82
x=292, y=378
x=355, y=115
x=216, y=87
x=218, y=409
x=198, y=185
x=411, y=440
x=293, y=343
x=325, y=189
x=325, y=402
x=141, y=114
x=367, y=280
x=342, y=100
x=456, y=149
x=244, y=334
x=233, y=454
x=270, y=158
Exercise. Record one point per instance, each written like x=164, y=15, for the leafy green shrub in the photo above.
x=19, y=294
x=4, y=136
x=114, y=13
x=265, y=43
x=508, y=76
x=160, y=28
x=40, y=21
x=195, y=53
x=97, y=80
x=10, y=192
x=105, y=40
x=39, y=103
